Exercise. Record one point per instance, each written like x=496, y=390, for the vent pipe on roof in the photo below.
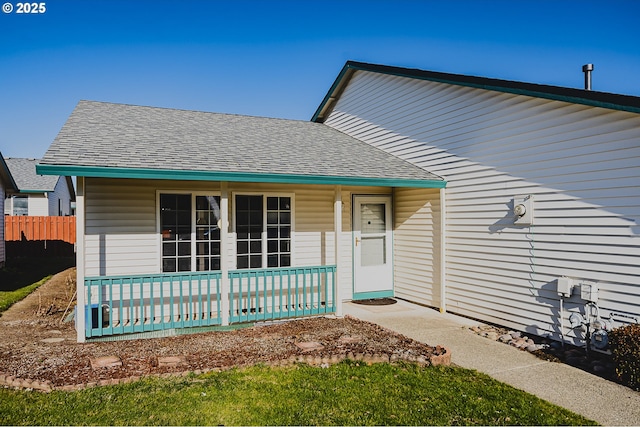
x=587, y=69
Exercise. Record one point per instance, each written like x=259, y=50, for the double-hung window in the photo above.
x=263, y=231
x=190, y=229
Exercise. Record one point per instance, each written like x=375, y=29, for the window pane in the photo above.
x=272, y=232
x=169, y=264
x=243, y=261
x=285, y=260
x=373, y=218
x=202, y=264
x=215, y=263
x=256, y=261
x=285, y=203
x=202, y=248
x=272, y=217
x=168, y=249
x=215, y=248
x=184, y=264
x=272, y=203
x=255, y=247
x=272, y=246
x=285, y=246
x=285, y=218
x=285, y=232
x=184, y=248
x=272, y=260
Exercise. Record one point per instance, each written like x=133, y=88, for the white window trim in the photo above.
x=234, y=237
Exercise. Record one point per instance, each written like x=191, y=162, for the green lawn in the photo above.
x=346, y=394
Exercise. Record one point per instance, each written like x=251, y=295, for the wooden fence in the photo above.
x=39, y=235
x=40, y=228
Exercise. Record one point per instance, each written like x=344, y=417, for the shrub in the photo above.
x=625, y=347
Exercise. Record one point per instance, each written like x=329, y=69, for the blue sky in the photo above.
x=279, y=58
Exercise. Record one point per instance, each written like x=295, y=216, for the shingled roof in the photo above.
x=26, y=178
x=117, y=140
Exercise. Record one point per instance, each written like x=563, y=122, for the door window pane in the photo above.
x=372, y=217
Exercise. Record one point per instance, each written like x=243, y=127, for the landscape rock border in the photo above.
x=441, y=359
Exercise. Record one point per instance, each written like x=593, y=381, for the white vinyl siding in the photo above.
x=60, y=199
x=38, y=205
x=416, y=241
x=581, y=163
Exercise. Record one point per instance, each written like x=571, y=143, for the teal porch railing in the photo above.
x=119, y=305
x=281, y=293
x=143, y=303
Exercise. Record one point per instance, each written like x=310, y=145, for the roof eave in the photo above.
x=5, y=175
x=556, y=93
x=189, y=175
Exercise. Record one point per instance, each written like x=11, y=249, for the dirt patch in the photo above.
x=37, y=345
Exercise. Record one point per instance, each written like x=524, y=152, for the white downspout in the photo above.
x=337, y=225
x=443, y=251
x=81, y=301
x=224, y=253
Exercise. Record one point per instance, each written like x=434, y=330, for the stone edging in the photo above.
x=311, y=360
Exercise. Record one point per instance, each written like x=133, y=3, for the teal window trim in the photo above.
x=187, y=175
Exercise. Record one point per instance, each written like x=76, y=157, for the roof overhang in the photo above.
x=6, y=177
x=556, y=93
x=187, y=175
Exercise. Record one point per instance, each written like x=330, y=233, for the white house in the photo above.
x=7, y=186
x=542, y=205
x=193, y=219
x=39, y=195
x=509, y=202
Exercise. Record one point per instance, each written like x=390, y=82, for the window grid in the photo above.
x=175, y=226
x=249, y=223
x=207, y=233
x=278, y=231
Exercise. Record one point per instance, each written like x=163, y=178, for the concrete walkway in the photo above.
x=581, y=392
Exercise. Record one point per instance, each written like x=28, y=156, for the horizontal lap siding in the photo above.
x=581, y=163
x=121, y=236
x=416, y=240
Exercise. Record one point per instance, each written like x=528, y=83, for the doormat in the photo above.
x=375, y=301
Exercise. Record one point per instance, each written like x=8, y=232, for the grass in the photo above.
x=349, y=393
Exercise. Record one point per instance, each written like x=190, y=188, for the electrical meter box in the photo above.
x=589, y=291
x=565, y=286
x=523, y=210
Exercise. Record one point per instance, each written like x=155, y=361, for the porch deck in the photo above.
x=143, y=303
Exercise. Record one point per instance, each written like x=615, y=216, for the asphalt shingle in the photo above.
x=124, y=136
x=26, y=178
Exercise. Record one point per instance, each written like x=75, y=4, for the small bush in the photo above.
x=625, y=347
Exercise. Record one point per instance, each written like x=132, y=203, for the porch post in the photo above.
x=337, y=225
x=443, y=251
x=81, y=302
x=224, y=252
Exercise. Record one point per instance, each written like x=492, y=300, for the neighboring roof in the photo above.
x=6, y=177
x=577, y=96
x=116, y=140
x=24, y=172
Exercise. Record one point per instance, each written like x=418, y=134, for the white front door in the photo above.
x=372, y=247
